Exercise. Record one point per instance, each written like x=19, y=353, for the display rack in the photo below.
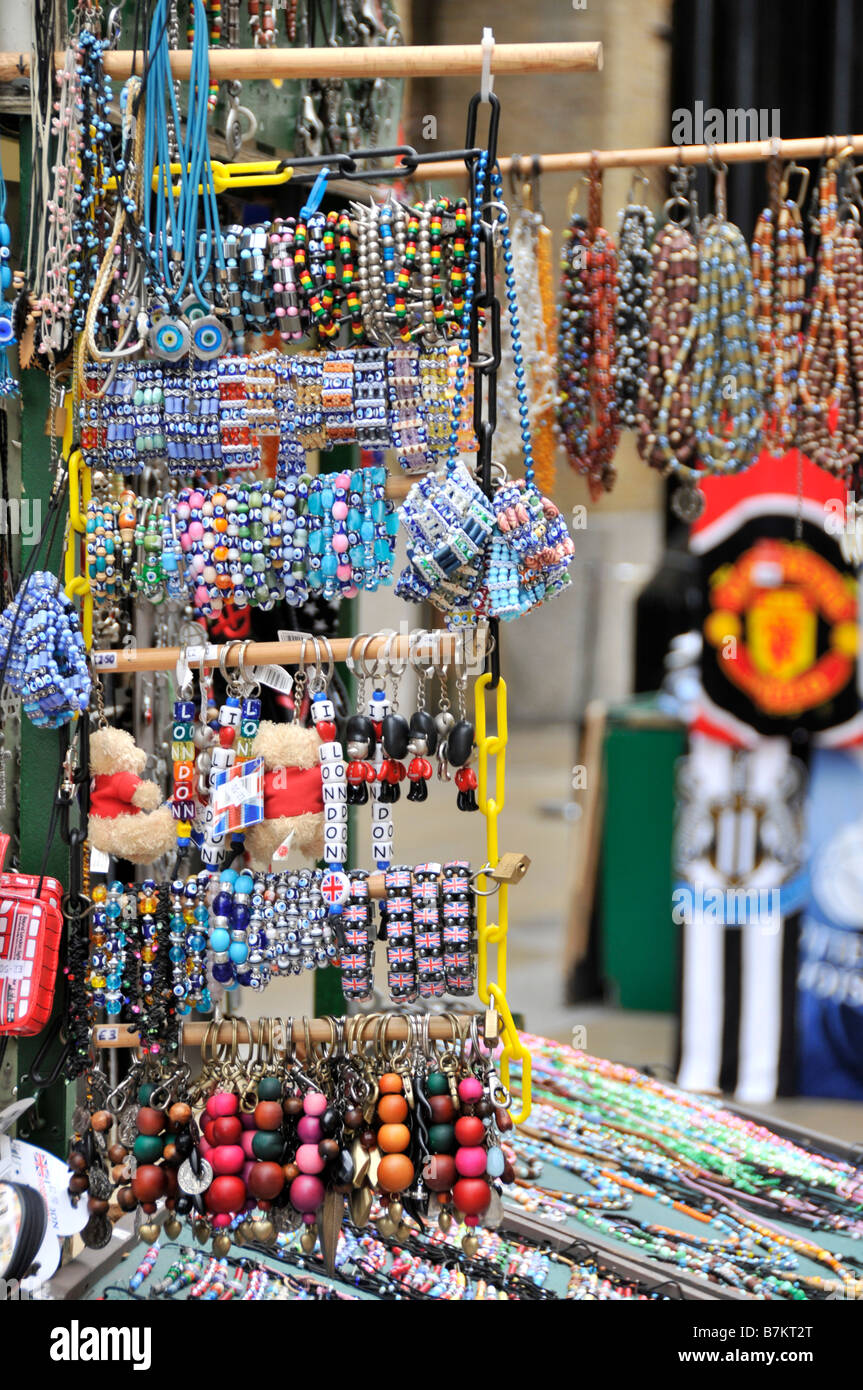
x=274, y=64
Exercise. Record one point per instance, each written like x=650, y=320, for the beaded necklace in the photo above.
x=726, y=380
x=666, y=436
x=636, y=229
x=587, y=409
x=829, y=429
x=611, y=1125
x=779, y=269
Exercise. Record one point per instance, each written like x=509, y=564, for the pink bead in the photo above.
x=220, y=1220
x=314, y=1103
x=227, y=1159
x=309, y=1130
x=340, y=511
x=223, y=1103
x=185, y=541
x=470, y=1161
x=343, y=572
x=196, y=530
x=309, y=1219
x=307, y=1193
x=201, y=597
x=246, y=1140
x=247, y=1172
x=308, y=1160
x=343, y=481
x=351, y=591
x=196, y=500
x=184, y=511
x=204, y=1146
x=471, y=1221
x=470, y=1089
x=247, y=1119
x=340, y=544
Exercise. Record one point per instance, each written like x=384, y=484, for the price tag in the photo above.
x=104, y=661
x=276, y=677
x=106, y=1034
x=100, y=862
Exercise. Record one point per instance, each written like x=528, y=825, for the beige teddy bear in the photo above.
x=127, y=819
x=293, y=793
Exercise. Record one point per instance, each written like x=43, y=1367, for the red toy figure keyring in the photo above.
x=360, y=735
x=423, y=738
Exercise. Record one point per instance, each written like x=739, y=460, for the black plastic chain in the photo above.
x=485, y=306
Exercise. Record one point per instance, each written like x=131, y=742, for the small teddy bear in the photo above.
x=293, y=793
x=127, y=818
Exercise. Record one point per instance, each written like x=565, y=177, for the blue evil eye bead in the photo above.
x=210, y=338
x=169, y=339
x=7, y=332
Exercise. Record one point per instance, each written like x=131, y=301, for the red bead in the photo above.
x=439, y=1173
x=225, y=1194
x=326, y=730
x=266, y=1180
x=442, y=1109
x=148, y=1183
x=227, y=734
x=472, y=1196
x=466, y=779
x=469, y=1130
x=226, y=1130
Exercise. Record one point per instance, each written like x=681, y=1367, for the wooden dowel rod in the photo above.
x=437, y=60
x=742, y=152
x=443, y=647
x=114, y=1035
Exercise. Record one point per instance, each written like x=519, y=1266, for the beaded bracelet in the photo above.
x=428, y=944
x=397, y=924
x=43, y=654
x=449, y=522
x=459, y=928
x=356, y=953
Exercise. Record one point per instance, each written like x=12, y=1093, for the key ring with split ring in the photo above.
x=251, y=686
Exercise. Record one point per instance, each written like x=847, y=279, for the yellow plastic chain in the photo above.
x=265, y=173
x=80, y=490
x=492, y=747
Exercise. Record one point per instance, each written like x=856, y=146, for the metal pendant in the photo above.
x=687, y=502
x=210, y=338
x=194, y=1183
x=97, y=1233
x=127, y=1129
x=169, y=339
x=100, y=1184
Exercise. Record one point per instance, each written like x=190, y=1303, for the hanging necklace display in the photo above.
x=636, y=228
x=587, y=408
x=779, y=269
x=726, y=381
x=829, y=382
x=666, y=437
